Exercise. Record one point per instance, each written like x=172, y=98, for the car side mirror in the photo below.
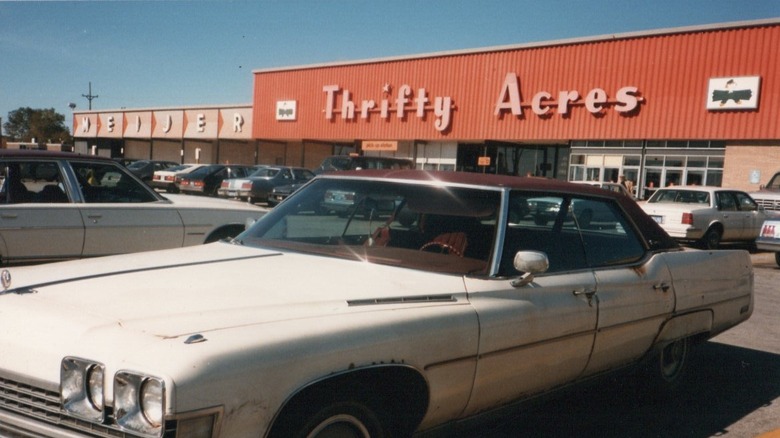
x=529, y=263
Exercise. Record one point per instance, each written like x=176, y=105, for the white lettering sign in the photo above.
x=85, y=124
x=238, y=122
x=168, y=124
x=111, y=123
x=405, y=102
x=596, y=101
x=201, y=122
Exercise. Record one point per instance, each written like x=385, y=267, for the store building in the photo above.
x=677, y=106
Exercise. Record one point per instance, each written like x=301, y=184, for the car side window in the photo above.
x=107, y=183
x=536, y=223
x=607, y=235
x=575, y=233
x=745, y=202
x=32, y=182
x=726, y=202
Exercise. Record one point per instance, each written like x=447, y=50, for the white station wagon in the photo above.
x=436, y=297
x=56, y=205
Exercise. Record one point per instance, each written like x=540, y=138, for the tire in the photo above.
x=711, y=239
x=668, y=369
x=777, y=258
x=342, y=419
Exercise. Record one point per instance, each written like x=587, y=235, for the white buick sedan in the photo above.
x=434, y=297
x=56, y=205
x=705, y=215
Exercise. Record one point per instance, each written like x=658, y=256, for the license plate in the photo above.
x=658, y=219
x=231, y=193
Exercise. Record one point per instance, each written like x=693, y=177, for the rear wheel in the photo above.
x=777, y=258
x=711, y=239
x=667, y=370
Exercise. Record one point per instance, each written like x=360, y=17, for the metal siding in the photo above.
x=671, y=72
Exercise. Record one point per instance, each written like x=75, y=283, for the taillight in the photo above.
x=196, y=183
x=224, y=184
x=246, y=186
x=687, y=218
x=768, y=231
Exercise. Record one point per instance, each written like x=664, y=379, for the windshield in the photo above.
x=433, y=228
x=137, y=165
x=265, y=172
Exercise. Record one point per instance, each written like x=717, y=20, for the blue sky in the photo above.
x=141, y=54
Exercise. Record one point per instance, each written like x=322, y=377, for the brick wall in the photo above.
x=744, y=158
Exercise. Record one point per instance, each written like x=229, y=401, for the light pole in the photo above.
x=89, y=96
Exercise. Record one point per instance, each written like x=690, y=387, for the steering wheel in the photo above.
x=444, y=248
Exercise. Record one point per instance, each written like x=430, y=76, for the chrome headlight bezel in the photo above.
x=82, y=388
x=139, y=402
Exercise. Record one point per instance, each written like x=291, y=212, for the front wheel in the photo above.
x=347, y=419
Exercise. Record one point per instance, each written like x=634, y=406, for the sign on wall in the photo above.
x=286, y=110
x=733, y=93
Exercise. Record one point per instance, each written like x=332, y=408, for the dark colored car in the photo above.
x=206, y=180
x=349, y=162
x=145, y=169
x=279, y=194
x=258, y=185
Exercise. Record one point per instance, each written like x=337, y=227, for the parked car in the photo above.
x=258, y=185
x=445, y=302
x=706, y=215
x=612, y=186
x=280, y=193
x=207, y=179
x=769, y=239
x=63, y=205
x=166, y=179
x=338, y=163
x=768, y=197
x=145, y=169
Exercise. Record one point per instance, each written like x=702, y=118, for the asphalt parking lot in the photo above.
x=732, y=390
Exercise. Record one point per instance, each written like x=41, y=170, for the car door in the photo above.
x=729, y=215
x=122, y=215
x=752, y=216
x=38, y=219
x=633, y=287
x=539, y=335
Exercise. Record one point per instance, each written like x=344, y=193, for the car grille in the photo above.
x=43, y=406
x=769, y=204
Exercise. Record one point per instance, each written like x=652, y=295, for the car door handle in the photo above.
x=662, y=286
x=8, y=216
x=589, y=293
x=583, y=291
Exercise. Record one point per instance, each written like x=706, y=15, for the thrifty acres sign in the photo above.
x=406, y=102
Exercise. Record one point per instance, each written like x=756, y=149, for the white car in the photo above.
x=769, y=239
x=166, y=179
x=706, y=215
x=436, y=297
x=62, y=206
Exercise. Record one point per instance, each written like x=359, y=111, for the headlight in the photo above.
x=138, y=402
x=81, y=388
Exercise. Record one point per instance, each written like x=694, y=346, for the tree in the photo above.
x=44, y=125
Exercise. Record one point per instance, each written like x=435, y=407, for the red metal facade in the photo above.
x=670, y=72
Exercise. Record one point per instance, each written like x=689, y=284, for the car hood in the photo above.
x=189, y=201
x=146, y=299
